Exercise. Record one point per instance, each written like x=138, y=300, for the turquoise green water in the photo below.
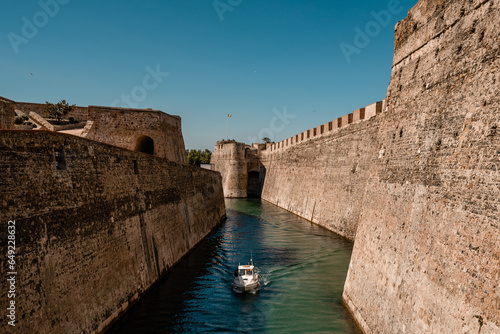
x=303, y=270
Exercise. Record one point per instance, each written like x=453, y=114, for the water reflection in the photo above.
x=303, y=270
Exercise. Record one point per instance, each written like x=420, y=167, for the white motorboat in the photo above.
x=246, y=279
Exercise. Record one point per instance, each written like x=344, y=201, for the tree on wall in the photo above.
x=58, y=110
x=197, y=157
x=266, y=140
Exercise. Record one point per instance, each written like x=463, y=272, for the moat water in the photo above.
x=303, y=268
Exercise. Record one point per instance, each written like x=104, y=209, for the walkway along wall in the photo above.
x=95, y=226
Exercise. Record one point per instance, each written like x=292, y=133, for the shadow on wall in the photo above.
x=254, y=188
x=145, y=144
x=255, y=181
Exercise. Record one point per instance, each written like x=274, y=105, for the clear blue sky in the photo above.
x=244, y=58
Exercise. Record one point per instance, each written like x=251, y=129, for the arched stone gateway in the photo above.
x=145, y=144
x=254, y=186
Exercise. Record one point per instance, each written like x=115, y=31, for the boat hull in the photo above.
x=248, y=287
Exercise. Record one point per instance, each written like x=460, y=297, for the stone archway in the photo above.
x=253, y=184
x=145, y=144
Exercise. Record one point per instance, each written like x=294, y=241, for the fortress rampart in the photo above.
x=241, y=167
x=7, y=114
x=229, y=159
x=79, y=113
x=96, y=226
x=301, y=173
x=323, y=178
x=417, y=186
x=427, y=253
x=359, y=115
x=144, y=130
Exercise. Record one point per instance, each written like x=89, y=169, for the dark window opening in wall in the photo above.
x=60, y=159
x=330, y=126
x=145, y=144
x=136, y=167
x=308, y=133
x=322, y=129
x=314, y=132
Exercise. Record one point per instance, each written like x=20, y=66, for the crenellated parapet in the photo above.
x=359, y=115
x=243, y=167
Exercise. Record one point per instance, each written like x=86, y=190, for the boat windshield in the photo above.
x=246, y=272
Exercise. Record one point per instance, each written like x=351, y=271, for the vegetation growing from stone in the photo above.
x=58, y=110
x=266, y=140
x=23, y=120
x=197, y=157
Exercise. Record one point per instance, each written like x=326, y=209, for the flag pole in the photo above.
x=227, y=127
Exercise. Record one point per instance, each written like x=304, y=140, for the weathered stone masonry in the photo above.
x=96, y=226
x=6, y=114
x=427, y=253
x=241, y=166
x=324, y=179
x=418, y=186
x=133, y=128
x=143, y=130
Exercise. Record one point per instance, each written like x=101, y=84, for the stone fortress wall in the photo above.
x=335, y=158
x=96, y=225
x=144, y=130
x=427, y=253
x=321, y=174
x=417, y=187
x=359, y=115
x=7, y=114
x=241, y=167
x=80, y=113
